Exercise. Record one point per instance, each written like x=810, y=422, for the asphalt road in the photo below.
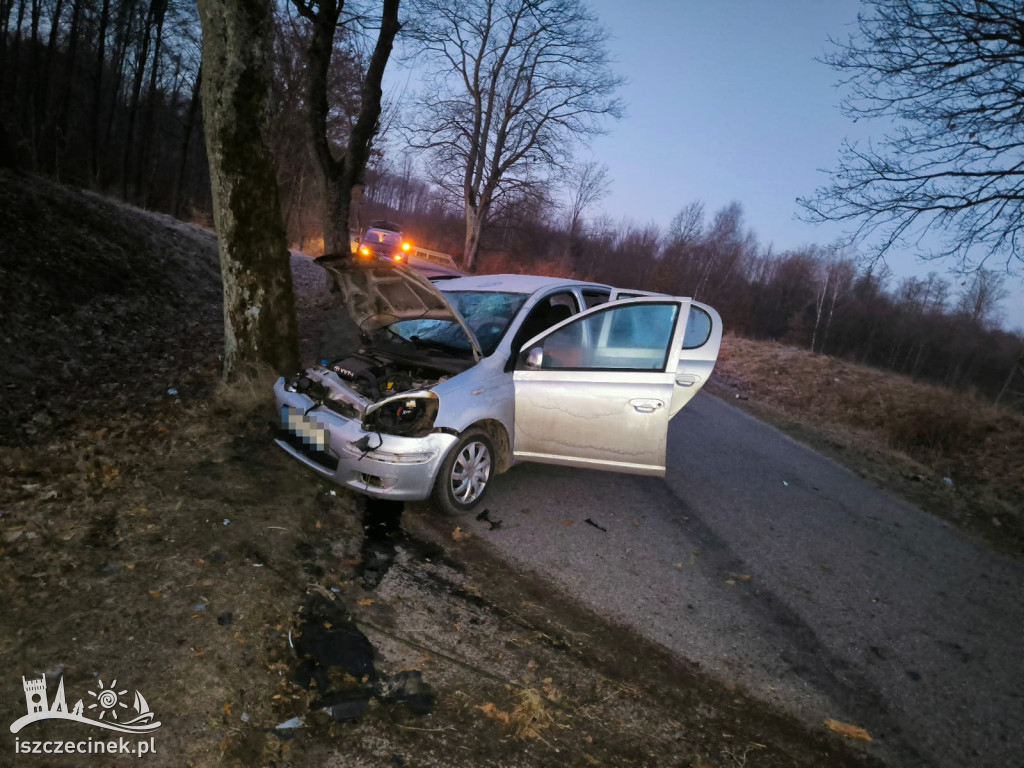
x=778, y=570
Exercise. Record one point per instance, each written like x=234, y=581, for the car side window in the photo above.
x=546, y=313
x=635, y=337
x=698, y=328
x=591, y=298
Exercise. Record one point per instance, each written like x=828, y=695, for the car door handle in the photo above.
x=687, y=379
x=644, y=405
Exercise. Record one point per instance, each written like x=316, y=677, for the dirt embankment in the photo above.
x=161, y=539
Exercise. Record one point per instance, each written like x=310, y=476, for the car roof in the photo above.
x=389, y=226
x=527, y=284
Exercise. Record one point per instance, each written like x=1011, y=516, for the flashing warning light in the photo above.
x=365, y=251
x=406, y=247
x=398, y=257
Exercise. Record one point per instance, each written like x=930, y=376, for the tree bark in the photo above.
x=476, y=218
x=259, y=302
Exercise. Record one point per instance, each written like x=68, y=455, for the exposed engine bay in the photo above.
x=376, y=376
x=351, y=384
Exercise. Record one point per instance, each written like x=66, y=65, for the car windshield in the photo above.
x=487, y=313
x=382, y=237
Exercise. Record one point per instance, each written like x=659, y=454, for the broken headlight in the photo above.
x=405, y=416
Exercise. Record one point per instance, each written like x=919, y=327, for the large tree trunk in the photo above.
x=259, y=303
x=474, y=228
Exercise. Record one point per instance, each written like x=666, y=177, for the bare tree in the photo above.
x=513, y=85
x=588, y=183
x=342, y=171
x=982, y=296
x=950, y=74
x=259, y=302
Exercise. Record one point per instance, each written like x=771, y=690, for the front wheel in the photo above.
x=465, y=474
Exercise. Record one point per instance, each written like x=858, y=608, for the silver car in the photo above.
x=451, y=384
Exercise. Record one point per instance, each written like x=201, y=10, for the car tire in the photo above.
x=465, y=474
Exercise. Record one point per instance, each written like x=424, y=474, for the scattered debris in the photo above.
x=460, y=535
x=226, y=521
x=588, y=521
x=850, y=731
x=744, y=577
x=295, y=722
x=948, y=481
x=407, y=687
x=172, y=392
x=199, y=607
x=328, y=638
x=345, y=705
x=485, y=517
x=225, y=619
x=785, y=483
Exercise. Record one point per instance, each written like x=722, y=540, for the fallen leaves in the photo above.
x=460, y=535
x=850, y=731
x=494, y=713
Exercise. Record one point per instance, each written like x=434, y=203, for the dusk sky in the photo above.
x=725, y=101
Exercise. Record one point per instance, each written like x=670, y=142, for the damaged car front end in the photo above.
x=442, y=390
x=367, y=421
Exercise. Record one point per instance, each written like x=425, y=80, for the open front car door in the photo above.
x=598, y=390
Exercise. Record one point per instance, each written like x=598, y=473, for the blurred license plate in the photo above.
x=307, y=430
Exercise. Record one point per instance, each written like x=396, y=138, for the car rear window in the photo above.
x=698, y=328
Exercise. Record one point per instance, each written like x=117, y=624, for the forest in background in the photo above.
x=104, y=95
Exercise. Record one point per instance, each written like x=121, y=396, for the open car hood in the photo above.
x=377, y=294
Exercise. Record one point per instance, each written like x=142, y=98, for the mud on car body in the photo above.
x=451, y=384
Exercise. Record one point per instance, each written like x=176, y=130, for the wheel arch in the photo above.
x=496, y=431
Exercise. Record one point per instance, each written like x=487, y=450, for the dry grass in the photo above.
x=906, y=435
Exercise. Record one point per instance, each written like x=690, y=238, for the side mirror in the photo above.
x=535, y=358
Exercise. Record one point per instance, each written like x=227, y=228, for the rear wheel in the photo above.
x=465, y=474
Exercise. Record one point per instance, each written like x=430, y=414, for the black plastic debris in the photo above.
x=326, y=639
x=588, y=521
x=485, y=517
x=226, y=619
x=346, y=705
x=407, y=687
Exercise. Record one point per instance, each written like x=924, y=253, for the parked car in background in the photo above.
x=383, y=240
x=454, y=382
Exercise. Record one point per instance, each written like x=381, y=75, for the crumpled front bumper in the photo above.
x=401, y=468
